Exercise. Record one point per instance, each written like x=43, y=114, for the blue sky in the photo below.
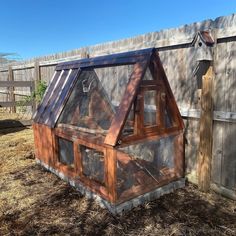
x=39, y=27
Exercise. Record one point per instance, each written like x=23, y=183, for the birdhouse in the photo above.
x=110, y=126
x=203, y=44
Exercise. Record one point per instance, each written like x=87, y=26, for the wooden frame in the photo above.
x=110, y=142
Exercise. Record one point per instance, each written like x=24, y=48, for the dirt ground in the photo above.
x=35, y=202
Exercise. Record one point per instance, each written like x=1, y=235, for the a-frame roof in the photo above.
x=66, y=75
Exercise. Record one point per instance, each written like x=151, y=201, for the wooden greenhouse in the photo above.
x=111, y=127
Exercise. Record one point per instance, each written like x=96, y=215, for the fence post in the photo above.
x=11, y=89
x=206, y=126
x=37, y=78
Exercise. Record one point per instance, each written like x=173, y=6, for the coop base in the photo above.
x=122, y=207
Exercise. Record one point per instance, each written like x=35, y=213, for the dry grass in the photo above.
x=35, y=202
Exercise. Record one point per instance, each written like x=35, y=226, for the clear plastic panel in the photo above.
x=129, y=124
x=66, y=153
x=144, y=164
x=168, y=119
x=93, y=164
x=95, y=98
x=147, y=75
x=150, y=107
x=114, y=81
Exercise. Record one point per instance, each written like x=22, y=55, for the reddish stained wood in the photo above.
x=109, y=60
x=110, y=173
x=141, y=134
x=43, y=146
x=138, y=114
x=126, y=103
x=77, y=158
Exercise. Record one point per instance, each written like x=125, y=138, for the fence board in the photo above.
x=11, y=104
x=16, y=83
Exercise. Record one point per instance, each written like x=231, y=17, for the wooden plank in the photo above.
x=206, y=122
x=220, y=65
x=37, y=79
x=126, y=103
x=110, y=173
x=11, y=89
x=14, y=104
x=16, y=93
x=108, y=60
x=16, y=83
x=224, y=191
x=228, y=164
x=78, y=158
x=228, y=176
x=225, y=32
x=44, y=146
x=138, y=114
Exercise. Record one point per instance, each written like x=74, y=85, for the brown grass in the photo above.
x=35, y=202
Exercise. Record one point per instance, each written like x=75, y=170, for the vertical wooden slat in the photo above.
x=11, y=89
x=37, y=79
x=110, y=173
x=78, y=159
x=206, y=122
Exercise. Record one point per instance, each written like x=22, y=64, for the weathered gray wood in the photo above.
x=11, y=88
x=11, y=104
x=191, y=145
x=16, y=83
x=219, y=105
x=224, y=191
x=228, y=177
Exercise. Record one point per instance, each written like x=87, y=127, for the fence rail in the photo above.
x=11, y=85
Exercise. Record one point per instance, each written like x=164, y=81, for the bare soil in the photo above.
x=34, y=201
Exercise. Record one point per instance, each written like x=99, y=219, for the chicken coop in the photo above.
x=111, y=127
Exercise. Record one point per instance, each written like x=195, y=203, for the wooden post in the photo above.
x=110, y=173
x=37, y=78
x=206, y=122
x=11, y=89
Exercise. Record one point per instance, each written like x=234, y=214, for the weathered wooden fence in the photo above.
x=178, y=57
x=11, y=85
